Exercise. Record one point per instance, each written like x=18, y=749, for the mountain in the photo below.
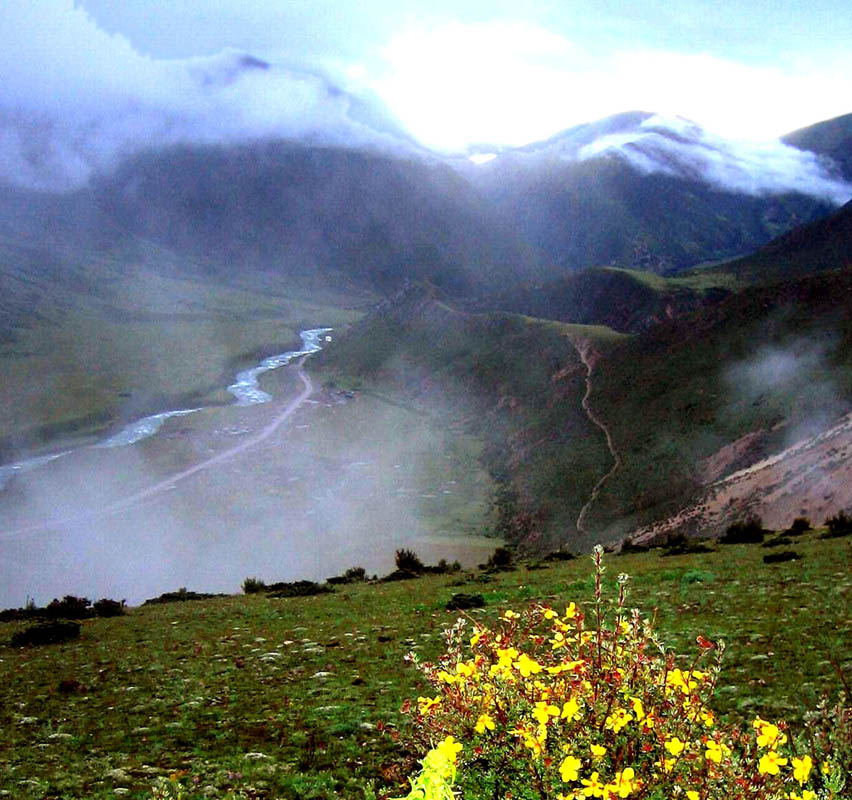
x=643, y=192
x=823, y=245
x=831, y=139
x=628, y=301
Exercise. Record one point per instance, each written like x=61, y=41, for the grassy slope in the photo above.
x=97, y=338
x=192, y=689
x=514, y=381
x=671, y=398
x=623, y=299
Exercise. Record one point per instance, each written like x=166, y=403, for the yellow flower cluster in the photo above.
x=544, y=704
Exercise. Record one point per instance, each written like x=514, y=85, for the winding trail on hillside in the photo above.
x=587, y=356
x=169, y=483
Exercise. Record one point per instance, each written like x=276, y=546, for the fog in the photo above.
x=344, y=482
x=796, y=380
x=674, y=146
x=75, y=100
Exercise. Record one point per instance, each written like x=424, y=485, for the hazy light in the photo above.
x=513, y=83
x=482, y=158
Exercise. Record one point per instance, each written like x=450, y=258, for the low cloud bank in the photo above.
x=674, y=146
x=75, y=99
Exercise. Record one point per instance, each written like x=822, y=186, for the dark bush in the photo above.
x=679, y=544
x=253, y=586
x=461, y=601
x=559, y=555
x=69, y=607
x=748, y=532
x=352, y=575
x=400, y=575
x=784, y=555
x=777, y=541
x=629, y=546
x=408, y=561
x=838, y=525
x=180, y=596
x=297, y=589
x=502, y=559
x=53, y=632
x=108, y=608
x=800, y=525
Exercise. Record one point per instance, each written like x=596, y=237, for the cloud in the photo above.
x=75, y=99
x=675, y=146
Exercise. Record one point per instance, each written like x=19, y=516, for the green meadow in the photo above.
x=253, y=697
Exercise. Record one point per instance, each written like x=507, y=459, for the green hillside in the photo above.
x=774, y=360
x=252, y=697
x=515, y=381
x=91, y=338
x=625, y=300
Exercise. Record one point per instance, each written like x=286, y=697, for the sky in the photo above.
x=513, y=72
x=87, y=80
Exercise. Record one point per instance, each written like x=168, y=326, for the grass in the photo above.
x=120, y=340
x=286, y=698
x=514, y=382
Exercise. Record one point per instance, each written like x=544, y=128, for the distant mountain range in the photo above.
x=694, y=290
x=633, y=191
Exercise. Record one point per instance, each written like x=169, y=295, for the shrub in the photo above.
x=784, y=555
x=180, y=596
x=547, y=705
x=253, y=586
x=501, y=559
x=59, y=630
x=748, y=532
x=678, y=544
x=838, y=525
x=461, y=601
x=408, y=561
x=629, y=546
x=352, y=575
x=297, y=589
x=69, y=607
x=108, y=608
x=559, y=555
x=800, y=525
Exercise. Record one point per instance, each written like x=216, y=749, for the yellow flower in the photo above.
x=570, y=769
x=597, y=751
x=550, y=613
x=617, y=720
x=449, y=749
x=527, y=666
x=707, y=718
x=557, y=641
x=825, y=768
x=477, y=635
x=638, y=710
x=570, y=612
x=770, y=762
x=691, y=794
x=509, y=615
x=623, y=783
x=447, y=677
x=570, y=710
x=543, y=712
x=768, y=734
x=675, y=746
x=484, y=722
x=802, y=768
x=715, y=751
x=426, y=704
x=593, y=787
x=466, y=669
